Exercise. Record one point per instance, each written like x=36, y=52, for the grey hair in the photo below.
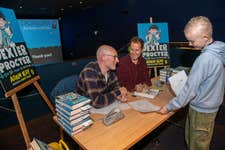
x=103, y=49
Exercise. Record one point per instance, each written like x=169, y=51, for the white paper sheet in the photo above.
x=107, y=109
x=178, y=81
x=144, y=106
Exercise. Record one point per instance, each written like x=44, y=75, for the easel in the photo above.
x=155, y=67
x=12, y=94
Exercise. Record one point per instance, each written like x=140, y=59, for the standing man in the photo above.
x=204, y=89
x=132, y=70
x=99, y=82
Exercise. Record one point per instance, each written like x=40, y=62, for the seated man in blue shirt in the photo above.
x=99, y=82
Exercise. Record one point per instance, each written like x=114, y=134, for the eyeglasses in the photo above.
x=114, y=56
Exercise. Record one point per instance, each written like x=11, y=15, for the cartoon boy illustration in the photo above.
x=153, y=35
x=5, y=33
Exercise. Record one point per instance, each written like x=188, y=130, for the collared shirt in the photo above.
x=130, y=74
x=92, y=83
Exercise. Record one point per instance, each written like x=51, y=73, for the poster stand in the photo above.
x=155, y=68
x=12, y=94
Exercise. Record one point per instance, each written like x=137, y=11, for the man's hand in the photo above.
x=163, y=110
x=146, y=87
x=139, y=87
x=123, y=91
x=123, y=96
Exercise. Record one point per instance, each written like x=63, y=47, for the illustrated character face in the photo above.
x=153, y=31
x=153, y=34
x=2, y=22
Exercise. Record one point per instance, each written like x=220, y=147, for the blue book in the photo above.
x=37, y=144
x=74, y=121
x=70, y=112
x=71, y=133
x=75, y=116
x=70, y=95
x=68, y=131
x=73, y=103
x=72, y=128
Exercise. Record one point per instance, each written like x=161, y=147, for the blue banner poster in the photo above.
x=42, y=37
x=15, y=62
x=156, y=43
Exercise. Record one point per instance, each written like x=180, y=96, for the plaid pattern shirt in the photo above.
x=92, y=83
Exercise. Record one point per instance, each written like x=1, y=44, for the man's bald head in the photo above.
x=104, y=49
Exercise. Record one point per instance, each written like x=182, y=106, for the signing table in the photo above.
x=126, y=132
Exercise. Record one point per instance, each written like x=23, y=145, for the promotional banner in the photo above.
x=42, y=37
x=156, y=39
x=15, y=62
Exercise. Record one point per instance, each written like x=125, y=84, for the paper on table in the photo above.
x=177, y=81
x=107, y=109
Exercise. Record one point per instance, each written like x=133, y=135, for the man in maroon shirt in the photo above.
x=132, y=70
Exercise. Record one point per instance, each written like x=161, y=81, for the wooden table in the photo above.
x=126, y=132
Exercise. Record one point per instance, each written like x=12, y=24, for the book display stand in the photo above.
x=155, y=68
x=12, y=94
x=16, y=69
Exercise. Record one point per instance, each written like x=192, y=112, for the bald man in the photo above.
x=204, y=89
x=99, y=82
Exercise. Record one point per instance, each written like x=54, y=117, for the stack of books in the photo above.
x=72, y=111
x=164, y=74
x=186, y=69
x=37, y=144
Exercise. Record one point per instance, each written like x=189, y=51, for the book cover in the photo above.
x=70, y=95
x=15, y=63
x=37, y=144
x=74, y=103
x=75, y=126
x=68, y=117
x=72, y=128
x=73, y=132
x=70, y=112
x=74, y=121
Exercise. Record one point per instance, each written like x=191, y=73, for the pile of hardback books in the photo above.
x=186, y=69
x=166, y=73
x=72, y=112
x=37, y=144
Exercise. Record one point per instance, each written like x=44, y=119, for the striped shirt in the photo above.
x=92, y=83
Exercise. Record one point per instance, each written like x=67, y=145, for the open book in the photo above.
x=150, y=93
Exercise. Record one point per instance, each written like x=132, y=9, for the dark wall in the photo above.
x=116, y=22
